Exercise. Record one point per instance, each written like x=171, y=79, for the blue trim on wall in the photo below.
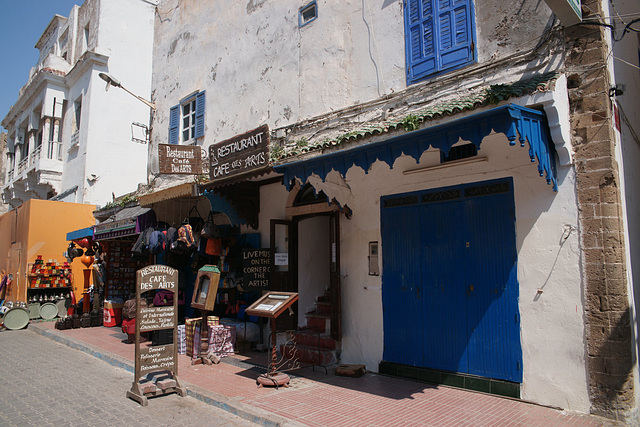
x=517, y=123
x=222, y=205
x=80, y=234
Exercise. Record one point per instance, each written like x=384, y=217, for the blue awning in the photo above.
x=80, y=234
x=517, y=123
x=220, y=204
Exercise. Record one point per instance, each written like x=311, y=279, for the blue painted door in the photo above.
x=450, y=292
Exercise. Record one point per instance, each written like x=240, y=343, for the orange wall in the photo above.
x=40, y=227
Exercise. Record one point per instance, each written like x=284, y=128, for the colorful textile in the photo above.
x=192, y=329
x=221, y=340
x=182, y=340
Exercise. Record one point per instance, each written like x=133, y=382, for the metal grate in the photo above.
x=400, y=201
x=482, y=190
x=440, y=196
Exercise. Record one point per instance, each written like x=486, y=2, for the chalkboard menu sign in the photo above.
x=156, y=318
x=256, y=269
x=158, y=358
x=156, y=368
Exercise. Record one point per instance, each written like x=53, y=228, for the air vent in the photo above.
x=459, y=152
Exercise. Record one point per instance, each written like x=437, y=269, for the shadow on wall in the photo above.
x=611, y=361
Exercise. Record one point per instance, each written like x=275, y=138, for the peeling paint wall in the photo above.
x=258, y=67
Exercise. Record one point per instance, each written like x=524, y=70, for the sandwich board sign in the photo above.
x=156, y=366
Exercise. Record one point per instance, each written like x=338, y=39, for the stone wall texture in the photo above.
x=607, y=315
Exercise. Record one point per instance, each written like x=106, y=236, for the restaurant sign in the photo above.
x=242, y=153
x=180, y=159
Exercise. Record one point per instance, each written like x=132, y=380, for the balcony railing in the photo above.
x=53, y=152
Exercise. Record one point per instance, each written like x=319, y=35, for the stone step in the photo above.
x=318, y=323
x=323, y=307
x=309, y=355
x=312, y=338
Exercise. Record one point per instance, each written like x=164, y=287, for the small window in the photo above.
x=77, y=110
x=459, y=152
x=186, y=120
x=308, y=13
x=189, y=120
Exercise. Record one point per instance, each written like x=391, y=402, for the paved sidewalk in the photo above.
x=321, y=399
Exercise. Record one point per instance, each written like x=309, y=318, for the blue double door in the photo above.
x=450, y=291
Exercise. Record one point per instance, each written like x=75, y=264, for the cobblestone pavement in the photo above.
x=44, y=383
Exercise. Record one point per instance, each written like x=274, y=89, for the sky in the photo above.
x=22, y=22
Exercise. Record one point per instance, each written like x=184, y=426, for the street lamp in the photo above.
x=112, y=81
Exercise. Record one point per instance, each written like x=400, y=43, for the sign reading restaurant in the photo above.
x=242, y=153
x=180, y=159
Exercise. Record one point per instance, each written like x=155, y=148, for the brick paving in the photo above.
x=45, y=383
x=315, y=398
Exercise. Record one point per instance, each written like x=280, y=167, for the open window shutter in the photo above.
x=419, y=39
x=455, y=38
x=174, y=122
x=200, y=114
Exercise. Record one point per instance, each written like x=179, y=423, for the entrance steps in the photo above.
x=313, y=344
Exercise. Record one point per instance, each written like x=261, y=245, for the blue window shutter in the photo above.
x=438, y=36
x=455, y=33
x=420, y=42
x=174, y=123
x=200, y=114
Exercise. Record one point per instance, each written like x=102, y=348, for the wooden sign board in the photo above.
x=206, y=288
x=180, y=159
x=272, y=304
x=156, y=367
x=242, y=153
x=158, y=358
x=256, y=269
x=156, y=318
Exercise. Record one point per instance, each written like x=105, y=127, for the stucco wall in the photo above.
x=259, y=67
x=628, y=156
x=26, y=229
x=551, y=321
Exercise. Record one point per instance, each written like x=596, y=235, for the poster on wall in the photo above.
x=256, y=269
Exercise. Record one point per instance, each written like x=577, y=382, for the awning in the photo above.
x=80, y=234
x=515, y=122
x=181, y=190
x=126, y=222
x=220, y=204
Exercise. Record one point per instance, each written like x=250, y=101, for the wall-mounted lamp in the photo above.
x=112, y=81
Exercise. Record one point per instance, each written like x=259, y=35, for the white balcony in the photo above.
x=36, y=175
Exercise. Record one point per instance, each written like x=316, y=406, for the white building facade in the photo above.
x=69, y=139
x=474, y=219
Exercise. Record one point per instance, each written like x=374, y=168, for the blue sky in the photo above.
x=23, y=22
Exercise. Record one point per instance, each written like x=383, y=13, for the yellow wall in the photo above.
x=40, y=227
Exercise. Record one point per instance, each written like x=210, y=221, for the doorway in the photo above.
x=450, y=291
x=305, y=258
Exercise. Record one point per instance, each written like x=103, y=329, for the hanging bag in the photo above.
x=209, y=229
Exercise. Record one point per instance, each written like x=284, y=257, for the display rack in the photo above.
x=120, y=270
x=48, y=288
